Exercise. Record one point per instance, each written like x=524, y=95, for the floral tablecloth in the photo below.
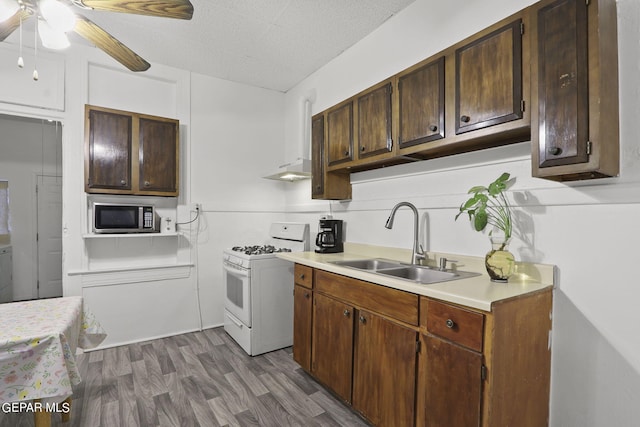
x=38, y=341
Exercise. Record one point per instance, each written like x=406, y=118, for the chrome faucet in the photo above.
x=418, y=253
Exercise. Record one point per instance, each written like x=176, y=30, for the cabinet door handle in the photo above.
x=307, y=295
x=147, y=183
x=465, y=119
x=433, y=128
x=363, y=319
x=554, y=151
x=302, y=276
x=362, y=148
x=346, y=313
x=450, y=323
x=123, y=182
x=346, y=153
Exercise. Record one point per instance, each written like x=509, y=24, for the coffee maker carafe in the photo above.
x=329, y=238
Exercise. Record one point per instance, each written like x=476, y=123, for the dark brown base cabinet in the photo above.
x=401, y=359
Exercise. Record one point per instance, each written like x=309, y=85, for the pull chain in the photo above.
x=20, y=60
x=35, y=55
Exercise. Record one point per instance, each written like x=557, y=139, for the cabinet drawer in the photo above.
x=303, y=276
x=390, y=302
x=454, y=323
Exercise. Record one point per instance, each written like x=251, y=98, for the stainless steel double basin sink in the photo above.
x=413, y=273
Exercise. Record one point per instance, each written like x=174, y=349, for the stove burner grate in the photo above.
x=259, y=249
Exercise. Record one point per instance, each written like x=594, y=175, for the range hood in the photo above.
x=294, y=171
x=300, y=168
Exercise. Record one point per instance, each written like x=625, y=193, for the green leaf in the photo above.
x=469, y=203
x=477, y=189
x=480, y=220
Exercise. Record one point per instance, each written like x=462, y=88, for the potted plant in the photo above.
x=489, y=206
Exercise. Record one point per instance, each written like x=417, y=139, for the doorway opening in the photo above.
x=31, y=163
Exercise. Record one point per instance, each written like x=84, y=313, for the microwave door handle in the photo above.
x=140, y=218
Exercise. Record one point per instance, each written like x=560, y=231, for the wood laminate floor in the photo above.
x=196, y=379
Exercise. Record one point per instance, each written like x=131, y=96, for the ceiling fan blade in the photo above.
x=109, y=44
x=179, y=9
x=10, y=25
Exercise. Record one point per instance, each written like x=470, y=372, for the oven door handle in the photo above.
x=233, y=269
x=235, y=321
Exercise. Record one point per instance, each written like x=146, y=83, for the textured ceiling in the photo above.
x=266, y=43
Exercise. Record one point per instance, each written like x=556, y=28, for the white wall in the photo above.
x=230, y=134
x=237, y=134
x=588, y=230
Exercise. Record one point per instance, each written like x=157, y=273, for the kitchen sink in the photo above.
x=425, y=275
x=413, y=273
x=369, y=264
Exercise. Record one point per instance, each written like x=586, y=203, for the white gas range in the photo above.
x=259, y=289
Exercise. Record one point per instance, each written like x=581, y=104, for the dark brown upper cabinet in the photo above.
x=489, y=79
x=374, y=122
x=546, y=74
x=130, y=153
x=575, y=125
x=421, y=104
x=325, y=185
x=108, y=150
x=317, y=157
x=339, y=141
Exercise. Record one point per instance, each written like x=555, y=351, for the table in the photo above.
x=38, y=342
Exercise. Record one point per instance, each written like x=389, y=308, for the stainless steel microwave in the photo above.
x=117, y=218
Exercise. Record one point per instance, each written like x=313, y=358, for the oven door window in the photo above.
x=237, y=301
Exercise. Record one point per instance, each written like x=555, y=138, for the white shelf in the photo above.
x=127, y=235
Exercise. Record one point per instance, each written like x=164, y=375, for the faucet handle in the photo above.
x=443, y=262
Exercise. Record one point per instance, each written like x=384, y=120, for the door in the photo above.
x=108, y=151
x=237, y=283
x=158, y=156
x=317, y=157
x=563, y=84
x=421, y=104
x=384, y=368
x=340, y=134
x=49, y=236
x=332, y=344
x=374, y=122
x=302, y=309
x=454, y=384
x=489, y=80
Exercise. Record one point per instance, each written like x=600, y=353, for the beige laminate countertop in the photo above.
x=476, y=292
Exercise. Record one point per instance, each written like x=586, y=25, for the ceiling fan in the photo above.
x=55, y=18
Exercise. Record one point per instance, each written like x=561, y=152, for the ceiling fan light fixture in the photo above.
x=50, y=37
x=8, y=8
x=59, y=16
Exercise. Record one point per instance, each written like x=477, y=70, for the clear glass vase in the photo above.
x=499, y=262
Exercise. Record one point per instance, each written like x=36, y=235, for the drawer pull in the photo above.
x=465, y=119
x=363, y=319
x=307, y=295
x=450, y=323
x=346, y=313
x=433, y=128
x=302, y=276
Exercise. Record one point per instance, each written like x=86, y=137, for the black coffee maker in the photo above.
x=329, y=238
